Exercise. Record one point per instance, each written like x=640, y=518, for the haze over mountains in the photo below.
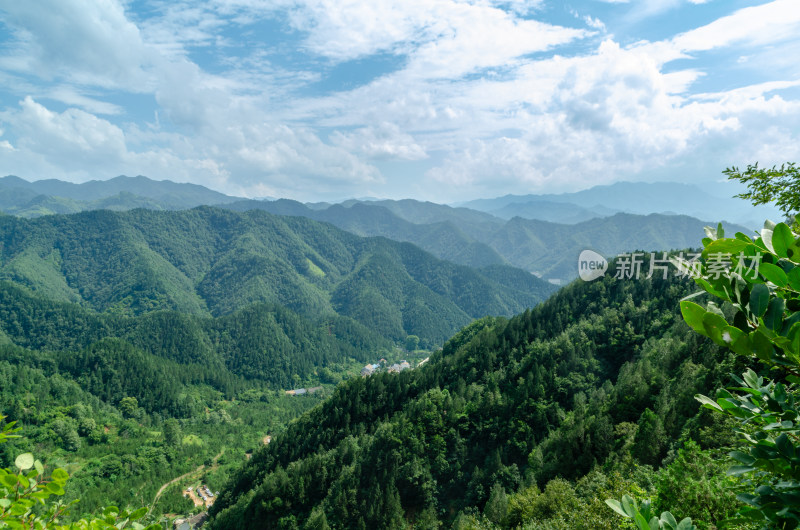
x=629, y=197
x=43, y=197
x=543, y=234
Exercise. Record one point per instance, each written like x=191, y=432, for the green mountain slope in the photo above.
x=477, y=239
x=508, y=404
x=261, y=342
x=552, y=250
x=444, y=237
x=208, y=261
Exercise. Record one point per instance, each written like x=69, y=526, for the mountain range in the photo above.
x=50, y=196
x=549, y=250
x=628, y=197
x=543, y=234
x=209, y=261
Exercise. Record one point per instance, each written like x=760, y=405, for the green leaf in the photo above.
x=24, y=461
x=5, y=503
x=629, y=505
x=9, y=481
x=761, y=345
x=669, y=520
x=685, y=524
x=693, y=315
x=773, y=318
x=744, y=458
x=783, y=240
x=641, y=522
x=615, y=505
x=716, y=329
x=138, y=514
x=759, y=299
x=785, y=446
x=39, y=467
x=725, y=246
x=739, y=470
x=54, y=488
x=751, y=379
x=708, y=402
x=741, y=343
x=774, y=274
x=59, y=475
x=794, y=278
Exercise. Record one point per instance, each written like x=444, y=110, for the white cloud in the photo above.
x=382, y=142
x=756, y=26
x=443, y=38
x=89, y=43
x=483, y=94
x=71, y=138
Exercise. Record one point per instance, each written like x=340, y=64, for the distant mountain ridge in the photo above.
x=628, y=197
x=43, y=197
x=542, y=234
x=550, y=250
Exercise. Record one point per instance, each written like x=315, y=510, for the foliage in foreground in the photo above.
x=760, y=279
x=25, y=498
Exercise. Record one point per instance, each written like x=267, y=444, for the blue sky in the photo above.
x=442, y=100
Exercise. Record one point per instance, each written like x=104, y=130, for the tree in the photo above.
x=759, y=278
x=649, y=439
x=778, y=185
x=172, y=432
x=497, y=505
x=128, y=406
x=412, y=342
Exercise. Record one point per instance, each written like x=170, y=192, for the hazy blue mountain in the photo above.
x=551, y=250
x=641, y=198
x=557, y=212
x=42, y=197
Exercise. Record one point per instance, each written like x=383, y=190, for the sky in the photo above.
x=441, y=100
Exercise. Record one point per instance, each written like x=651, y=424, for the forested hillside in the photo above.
x=143, y=346
x=208, y=261
x=476, y=238
x=127, y=404
x=534, y=420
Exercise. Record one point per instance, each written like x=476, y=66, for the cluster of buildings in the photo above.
x=396, y=368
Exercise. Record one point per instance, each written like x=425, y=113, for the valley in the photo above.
x=148, y=351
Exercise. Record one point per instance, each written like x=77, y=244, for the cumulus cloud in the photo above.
x=383, y=142
x=90, y=43
x=487, y=95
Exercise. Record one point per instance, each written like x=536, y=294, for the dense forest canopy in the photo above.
x=208, y=261
x=596, y=385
